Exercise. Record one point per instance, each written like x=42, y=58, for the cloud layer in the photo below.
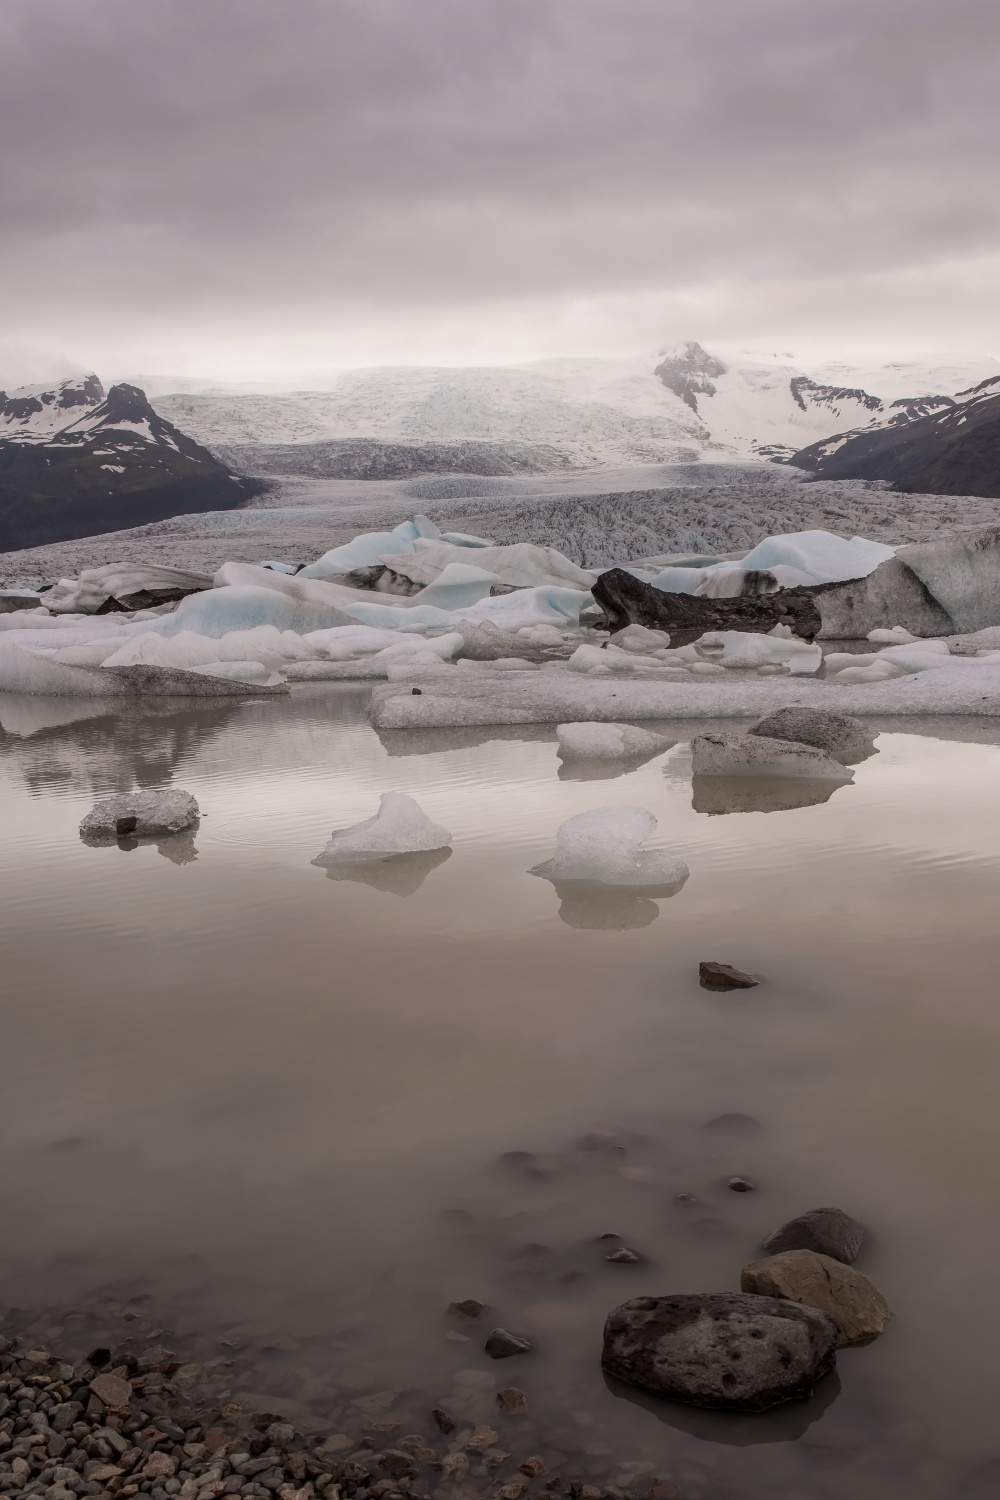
x=260, y=191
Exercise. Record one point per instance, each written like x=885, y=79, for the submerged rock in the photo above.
x=725, y=754
x=839, y=735
x=720, y=1349
x=144, y=814
x=804, y=1277
x=828, y=1231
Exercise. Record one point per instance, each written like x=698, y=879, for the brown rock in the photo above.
x=100, y=1473
x=339, y=1442
x=112, y=1390
x=512, y=1490
x=716, y=976
x=483, y=1437
x=159, y=1466
x=847, y=1296
x=510, y=1399
x=662, y=1489
x=533, y=1467
x=455, y=1466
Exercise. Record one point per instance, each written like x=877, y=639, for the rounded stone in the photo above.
x=728, y=1350
x=828, y=1231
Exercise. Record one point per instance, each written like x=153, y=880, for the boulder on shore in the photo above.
x=810, y=1280
x=729, y=1350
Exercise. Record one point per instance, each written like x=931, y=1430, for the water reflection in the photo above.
x=582, y=769
x=399, y=875
x=715, y=795
x=736, y=1429
x=606, y=908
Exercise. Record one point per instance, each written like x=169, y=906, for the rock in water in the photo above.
x=727, y=1350
x=721, y=754
x=399, y=827
x=846, y=1295
x=715, y=976
x=828, y=1231
x=501, y=1344
x=145, y=814
x=626, y=600
x=838, y=734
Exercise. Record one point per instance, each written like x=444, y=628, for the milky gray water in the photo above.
x=262, y=1112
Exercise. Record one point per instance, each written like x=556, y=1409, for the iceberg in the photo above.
x=130, y=585
x=523, y=564
x=604, y=846
x=456, y=585
x=220, y=610
x=142, y=814
x=363, y=551
x=822, y=556
x=399, y=827
x=608, y=741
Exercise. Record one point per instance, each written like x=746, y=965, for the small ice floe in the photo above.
x=139, y=815
x=608, y=742
x=720, y=754
x=604, y=846
x=399, y=827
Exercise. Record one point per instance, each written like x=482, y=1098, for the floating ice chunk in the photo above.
x=456, y=585
x=399, y=827
x=640, y=639
x=487, y=642
x=898, y=635
x=524, y=565
x=237, y=671
x=821, y=555
x=725, y=754
x=144, y=814
x=280, y=567
x=962, y=572
x=86, y=594
x=364, y=551
x=605, y=846
x=677, y=580
x=219, y=610
x=608, y=741
x=745, y=649
x=600, y=658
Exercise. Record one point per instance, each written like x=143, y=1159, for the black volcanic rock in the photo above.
x=75, y=466
x=626, y=600
x=954, y=451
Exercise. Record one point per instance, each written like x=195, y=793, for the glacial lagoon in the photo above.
x=281, y=1117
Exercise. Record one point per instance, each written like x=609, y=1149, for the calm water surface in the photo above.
x=263, y=1109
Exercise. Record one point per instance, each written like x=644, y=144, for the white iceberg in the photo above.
x=605, y=846
x=456, y=585
x=821, y=556
x=140, y=814
x=399, y=827
x=607, y=741
x=523, y=564
x=363, y=551
x=86, y=594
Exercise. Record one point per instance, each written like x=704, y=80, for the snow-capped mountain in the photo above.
x=942, y=445
x=678, y=406
x=75, y=461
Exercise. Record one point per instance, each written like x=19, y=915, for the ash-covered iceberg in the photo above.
x=139, y=815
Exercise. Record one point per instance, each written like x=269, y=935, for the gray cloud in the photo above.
x=238, y=185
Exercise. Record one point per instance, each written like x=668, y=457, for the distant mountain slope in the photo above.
x=679, y=406
x=951, y=450
x=74, y=462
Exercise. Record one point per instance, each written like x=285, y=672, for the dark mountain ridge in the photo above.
x=78, y=462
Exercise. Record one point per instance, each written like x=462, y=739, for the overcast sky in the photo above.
x=264, y=190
